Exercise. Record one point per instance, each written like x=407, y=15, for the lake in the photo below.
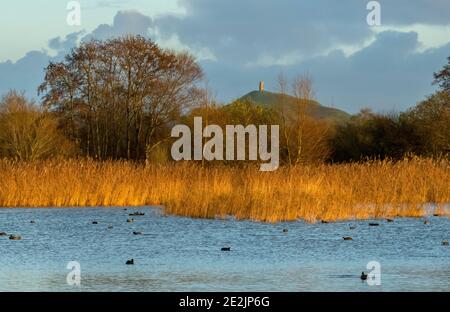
x=183, y=254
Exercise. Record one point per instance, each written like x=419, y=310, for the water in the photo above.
x=183, y=254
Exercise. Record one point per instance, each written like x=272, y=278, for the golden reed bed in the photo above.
x=322, y=192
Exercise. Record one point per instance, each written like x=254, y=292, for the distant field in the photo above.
x=312, y=193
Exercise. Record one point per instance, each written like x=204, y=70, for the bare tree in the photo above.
x=117, y=96
x=302, y=89
x=283, y=110
x=27, y=132
x=305, y=137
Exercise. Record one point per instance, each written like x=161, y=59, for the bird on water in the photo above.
x=363, y=276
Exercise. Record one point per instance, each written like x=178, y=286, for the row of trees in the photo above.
x=423, y=130
x=118, y=99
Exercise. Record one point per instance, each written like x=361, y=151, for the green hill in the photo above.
x=315, y=109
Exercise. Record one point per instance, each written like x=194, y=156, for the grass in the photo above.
x=376, y=189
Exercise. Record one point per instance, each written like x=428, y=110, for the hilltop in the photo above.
x=315, y=109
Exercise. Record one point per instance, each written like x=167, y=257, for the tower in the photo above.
x=261, y=86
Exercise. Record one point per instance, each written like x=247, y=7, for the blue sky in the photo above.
x=238, y=43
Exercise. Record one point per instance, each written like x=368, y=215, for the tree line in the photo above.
x=119, y=98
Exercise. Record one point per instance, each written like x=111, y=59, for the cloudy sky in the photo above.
x=239, y=42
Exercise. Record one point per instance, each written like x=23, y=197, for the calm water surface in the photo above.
x=182, y=254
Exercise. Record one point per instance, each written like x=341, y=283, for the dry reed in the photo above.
x=318, y=192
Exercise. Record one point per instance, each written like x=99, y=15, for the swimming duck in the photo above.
x=130, y=262
x=3, y=234
x=347, y=238
x=363, y=276
x=285, y=230
x=137, y=214
x=374, y=224
x=15, y=237
x=137, y=233
x=226, y=249
x=445, y=243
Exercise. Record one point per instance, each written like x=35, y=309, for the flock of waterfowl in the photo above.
x=363, y=276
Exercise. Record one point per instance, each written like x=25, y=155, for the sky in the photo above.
x=354, y=65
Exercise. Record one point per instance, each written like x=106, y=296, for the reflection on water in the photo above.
x=182, y=254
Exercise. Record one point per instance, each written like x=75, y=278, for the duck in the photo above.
x=347, y=238
x=136, y=214
x=15, y=237
x=137, y=233
x=426, y=222
x=130, y=262
x=352, y=227
x=130, y=220
x=3, y=234
x=390, y=220
x=363, y=276
x=445, y=243
x=110, y=227
x=32, y=222
x=285, y=230
x=226, y=249
x=94, y=222
x=374, y=224
x=324, y=222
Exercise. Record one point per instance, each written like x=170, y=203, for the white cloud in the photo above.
x=430, y=36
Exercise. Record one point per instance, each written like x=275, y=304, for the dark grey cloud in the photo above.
x=25, y=74
x=125, y=23
x=67, y=43
x=246, y=30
